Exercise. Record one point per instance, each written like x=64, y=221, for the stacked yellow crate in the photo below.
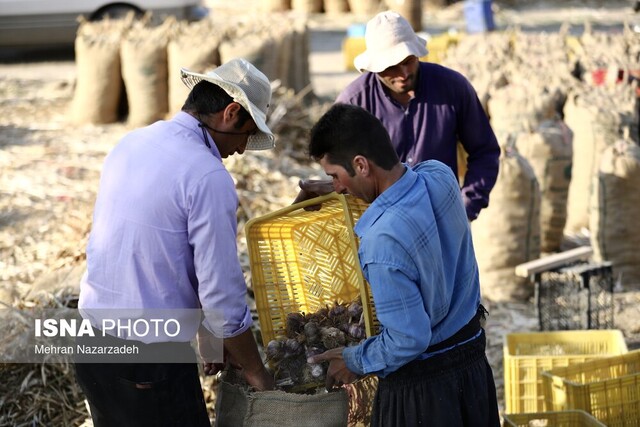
x=607, y=388
x=527, y=355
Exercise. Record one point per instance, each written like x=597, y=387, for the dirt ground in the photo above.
x=49, y=172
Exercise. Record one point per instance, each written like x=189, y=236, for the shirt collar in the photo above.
x=388, y=198
x=191, y=123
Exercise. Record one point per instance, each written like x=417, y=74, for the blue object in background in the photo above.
x=356, y=30
x=478, y=16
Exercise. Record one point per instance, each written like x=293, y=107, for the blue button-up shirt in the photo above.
x=417, y=254
x=164, y=228
x=445, y=110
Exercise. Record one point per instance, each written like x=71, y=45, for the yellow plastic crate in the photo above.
x=352, y=47
x=552, y=419
x=304, y=260
x=607, y=388
x=438, y=46
x=526, y=355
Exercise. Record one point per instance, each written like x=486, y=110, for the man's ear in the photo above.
x=231, y=111
x=361, y=165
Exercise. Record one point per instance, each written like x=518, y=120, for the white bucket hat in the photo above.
x=389, y=39
x=249, y=87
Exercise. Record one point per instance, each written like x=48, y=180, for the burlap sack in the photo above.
x=519, y=107
x=307, y=6
x=99, y=88
x=284, y=42
x=549, y=152
x=595, y=122
x=235, y=407
x=411, y=10
x=303, y=67
x=299, y=76
x=336, y=6
x=193, y=46
x=615, y=201
x=275, y=5
x=145, y=73
x=364, y=7
x=507, y=232
x=258, y=49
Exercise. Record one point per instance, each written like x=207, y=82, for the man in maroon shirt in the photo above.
x=425, y=107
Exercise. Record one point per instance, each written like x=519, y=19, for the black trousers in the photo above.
x=455, y=388
x=143, y=394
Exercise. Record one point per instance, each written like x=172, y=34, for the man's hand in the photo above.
x=207, y=348
x=212, y=368
x=261, y=379
x=312, y=188
x=242, y=353
x=338, y=373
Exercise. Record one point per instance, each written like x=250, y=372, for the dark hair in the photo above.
x=208, y=98
x=346, y=131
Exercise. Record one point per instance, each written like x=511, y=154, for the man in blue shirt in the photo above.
x=164, y=238
x=417, y=254
x=425, y=107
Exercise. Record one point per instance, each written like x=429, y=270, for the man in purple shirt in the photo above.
x=164, y=238
x=426, y=108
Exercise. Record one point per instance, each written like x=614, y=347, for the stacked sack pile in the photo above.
x=323, y=6
x=564, y=110
x=410, y=9
x=131, y=68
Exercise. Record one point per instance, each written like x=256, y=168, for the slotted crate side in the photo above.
x=326, y=257
x=579, y=296
x=303, y=260
x=608, y=388
x=524, y=391
x=274, y=263
x=555, y=419
x=526, y=355
x=601, y=310
x=560, y=302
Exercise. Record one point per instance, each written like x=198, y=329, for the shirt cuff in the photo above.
x=234, y=329
x=472, y=211
x=352, y=358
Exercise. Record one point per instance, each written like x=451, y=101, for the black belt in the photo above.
x=465, y=333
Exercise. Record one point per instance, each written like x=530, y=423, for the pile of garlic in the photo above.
x=311, y=334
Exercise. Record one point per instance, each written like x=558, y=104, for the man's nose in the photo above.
x=404, y=71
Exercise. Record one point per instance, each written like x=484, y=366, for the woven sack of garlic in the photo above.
x=300, y=397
